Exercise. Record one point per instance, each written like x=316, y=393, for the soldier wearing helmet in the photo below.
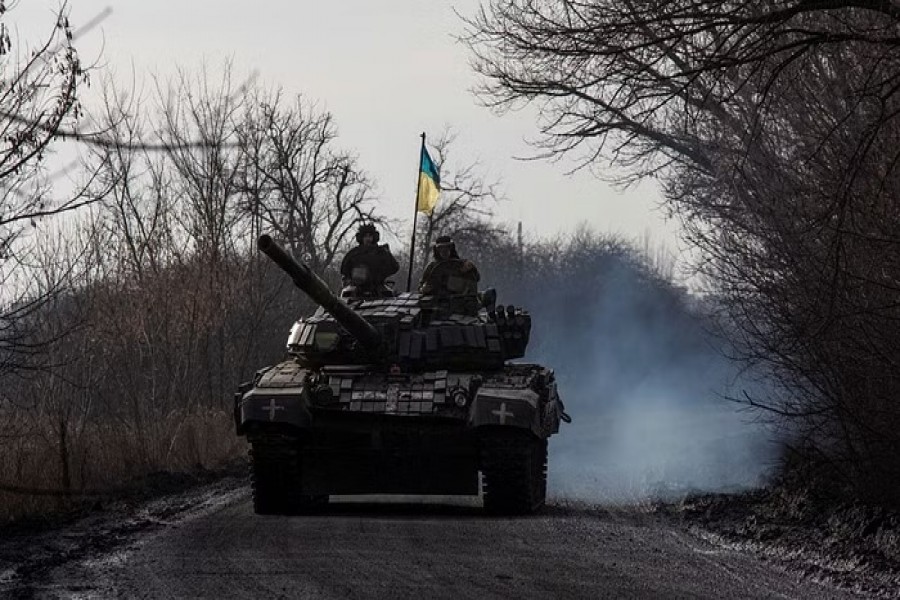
x=367, y=265
x=447, y=273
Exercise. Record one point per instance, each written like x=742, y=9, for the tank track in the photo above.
x=514, y=472
x=276, y=477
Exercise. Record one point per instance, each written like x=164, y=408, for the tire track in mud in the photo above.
x=27, y=561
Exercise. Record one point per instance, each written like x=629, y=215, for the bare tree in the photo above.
x=773, y=128
x=38, y=88
x=208, y=175
x=36, y=97
x=638, y=81
x=133, y=185
x=299, y=183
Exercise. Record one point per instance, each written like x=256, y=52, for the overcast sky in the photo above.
x=387, y=71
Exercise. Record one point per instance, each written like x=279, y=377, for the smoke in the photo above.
x=646, y=385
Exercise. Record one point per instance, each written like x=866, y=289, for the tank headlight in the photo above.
x=460, y=398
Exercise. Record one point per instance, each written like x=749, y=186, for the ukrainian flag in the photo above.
x=429, y=184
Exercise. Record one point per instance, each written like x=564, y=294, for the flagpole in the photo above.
x=412, y=245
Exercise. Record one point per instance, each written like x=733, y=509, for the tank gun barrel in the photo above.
x=318, y=290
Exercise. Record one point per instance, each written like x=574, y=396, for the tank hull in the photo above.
x=383, y=455
x=347, y=430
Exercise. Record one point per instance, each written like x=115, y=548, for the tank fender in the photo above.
x=505, y=407
x=278, y=397
x=275, y=406
x=243, y=388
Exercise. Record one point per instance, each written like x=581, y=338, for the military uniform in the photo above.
x=450, y=275
x=371, y=264
x=367, y=265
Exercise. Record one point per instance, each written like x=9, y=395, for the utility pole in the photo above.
x=520, y=258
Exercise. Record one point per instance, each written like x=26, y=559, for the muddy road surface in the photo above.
x=211, y=545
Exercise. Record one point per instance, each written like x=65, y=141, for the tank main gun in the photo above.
x=317, y=289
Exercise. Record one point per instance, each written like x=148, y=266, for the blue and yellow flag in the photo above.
x=429, y=184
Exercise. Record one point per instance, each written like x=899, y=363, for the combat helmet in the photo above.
x=444, y=241
x=367, y=228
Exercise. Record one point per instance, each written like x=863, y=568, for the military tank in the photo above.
x=410, y=394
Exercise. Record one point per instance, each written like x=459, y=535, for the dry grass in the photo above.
x=110, y=457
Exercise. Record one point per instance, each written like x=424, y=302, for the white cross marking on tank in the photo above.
x=272, y=407
x=502, y=413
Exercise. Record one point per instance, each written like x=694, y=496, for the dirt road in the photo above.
x=213, y=546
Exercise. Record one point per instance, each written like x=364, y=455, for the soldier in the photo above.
x=367, y=265
x=448, y=274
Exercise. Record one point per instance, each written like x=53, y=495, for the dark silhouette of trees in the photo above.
x=772, y=127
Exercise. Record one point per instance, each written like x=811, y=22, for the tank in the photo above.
x=410, y=394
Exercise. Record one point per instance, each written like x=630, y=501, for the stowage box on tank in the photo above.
x=410, y=394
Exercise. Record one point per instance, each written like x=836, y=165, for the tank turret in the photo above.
x=317, y=289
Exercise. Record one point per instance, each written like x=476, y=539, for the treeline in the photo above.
x=135, y=374
x=136, y=370
x=131, y=308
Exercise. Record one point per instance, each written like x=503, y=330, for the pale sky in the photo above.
x=386, y=70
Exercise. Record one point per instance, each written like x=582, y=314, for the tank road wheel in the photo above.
x=514, y=471
x=276, y=478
